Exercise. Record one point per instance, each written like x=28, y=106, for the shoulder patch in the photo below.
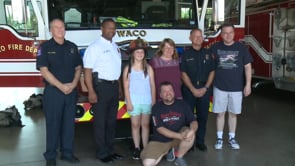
x=39, y=51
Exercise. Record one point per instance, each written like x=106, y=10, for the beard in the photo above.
x=168, y=101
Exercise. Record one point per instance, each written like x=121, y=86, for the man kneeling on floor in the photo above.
x=174, y=127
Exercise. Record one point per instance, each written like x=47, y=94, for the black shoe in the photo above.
x=116, y=156
x=50, y=163
x=192, y=149
x=136, y=154
x=71, y=159
x=201, y=147
x=107, y=159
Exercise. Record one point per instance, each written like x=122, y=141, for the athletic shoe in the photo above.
x=233, y=143
x=218, y=144
x=202, y=147
x=170, y=156
x=180, y=162
x=136, y=154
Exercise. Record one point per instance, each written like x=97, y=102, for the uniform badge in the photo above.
x=72, y=51
x=207, y=57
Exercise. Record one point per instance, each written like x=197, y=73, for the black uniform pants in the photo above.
x=59, y=112
x=105, y=117
x=202, y=107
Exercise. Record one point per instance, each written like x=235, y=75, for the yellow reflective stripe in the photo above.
x=121, y=104
x=86, y=117
x=126, y=115
x=210, y=107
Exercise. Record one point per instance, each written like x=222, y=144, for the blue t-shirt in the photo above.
x=230, y=62
x=172, y=117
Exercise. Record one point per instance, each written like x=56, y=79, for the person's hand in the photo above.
x=199, y=92
x=189, y=135
x=181, y=136
x=70, y=86
x=66, y=89
x=129, y=107
x=92, y=97
x=202, y=91
x=247, y=91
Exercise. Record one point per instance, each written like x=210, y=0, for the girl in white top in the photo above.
x=140, y=93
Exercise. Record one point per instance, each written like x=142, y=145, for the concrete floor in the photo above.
x=266, y=132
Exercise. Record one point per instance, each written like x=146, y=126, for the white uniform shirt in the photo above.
x=104, y=57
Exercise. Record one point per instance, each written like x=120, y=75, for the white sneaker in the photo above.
x=219, y=143
x=233, y=143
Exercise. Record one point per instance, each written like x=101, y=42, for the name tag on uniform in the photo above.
x=106, y=51
x=51, y=52
x=190, y=59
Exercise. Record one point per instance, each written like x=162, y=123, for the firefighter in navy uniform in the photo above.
x=197, y=73
x=60, y=65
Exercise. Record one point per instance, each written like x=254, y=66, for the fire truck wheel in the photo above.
x=91, y=111
x=80, y=111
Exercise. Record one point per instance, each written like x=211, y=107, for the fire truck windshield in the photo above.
x=208, y=15
x=152, y=14
x=128, y=13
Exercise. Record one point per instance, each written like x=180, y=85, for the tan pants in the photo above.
x=155, y=149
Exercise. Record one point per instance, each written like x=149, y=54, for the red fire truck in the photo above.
x=270, y=33
x=24, y=25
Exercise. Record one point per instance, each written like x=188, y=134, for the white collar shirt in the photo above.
x=104, y=57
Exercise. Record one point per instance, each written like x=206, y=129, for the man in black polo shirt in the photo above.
x=60, y=65
x=197, y=72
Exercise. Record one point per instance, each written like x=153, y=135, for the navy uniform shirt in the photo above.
x=197, y=64
x=61, y=60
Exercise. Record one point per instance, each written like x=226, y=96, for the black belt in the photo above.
x=107, y=81
x=200, y=83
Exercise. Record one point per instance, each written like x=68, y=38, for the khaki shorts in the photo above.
x=227, y=101
x=155, y=149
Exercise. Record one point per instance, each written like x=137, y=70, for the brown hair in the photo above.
x=226, y=25
x=135, y=45
x=162, y=45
